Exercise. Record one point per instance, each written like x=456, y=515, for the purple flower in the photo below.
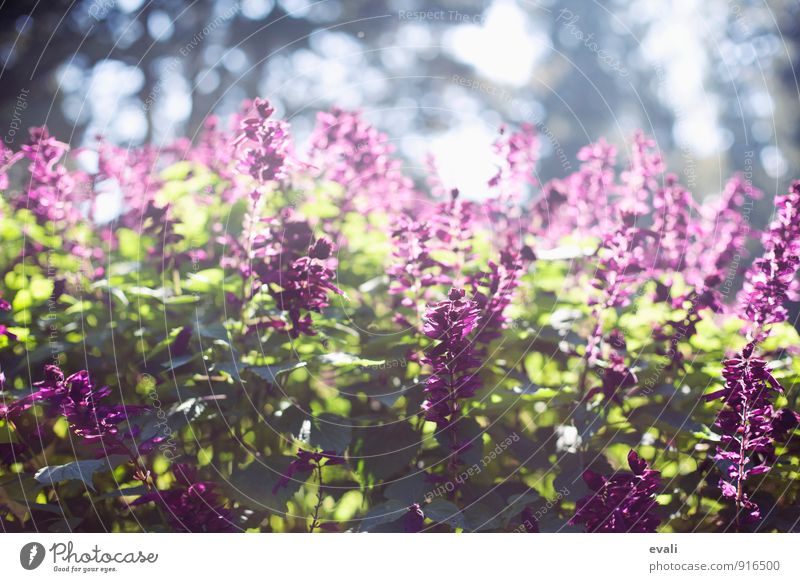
x=622, y=262
x=672, y=223
x=452, y=360
x=640, y=179
x=623, y=502
x=771, y=279
x=263, y=145
x=580, y=202
x=493, y=292
x=77, y=399
x=749, y=426
x=519, y=154
x=413, y=519
x=191, y=505
x=349, y=151
x=295, y=269
x=414, y=269
x=720, y=232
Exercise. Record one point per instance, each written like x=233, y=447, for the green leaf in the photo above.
x=382, y=514
x=254, y=485
x=331, y=432
x=270, y=373
x=443, y=511
x=77, y=471
x=409, y=489
x=386, y=450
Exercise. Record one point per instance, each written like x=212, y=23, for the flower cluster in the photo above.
x=620, y=503
x=223, y=249
x=294, y=268
x=263, y=144
x=77, y=399
x=519, y=154
x=452, y=360
x=191, y=505
x=720, y=232
x=351, y=152
x=771, y=279
x=580, y=203
x=493, y=292
x=749, y=425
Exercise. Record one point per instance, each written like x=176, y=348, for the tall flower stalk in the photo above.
x=453, y=362
x=749, y=424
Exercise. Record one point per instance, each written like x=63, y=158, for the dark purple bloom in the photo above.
x=749, y=426
x=295, y=270
x=77, y=399
x=413, y=519
x=452, y=360
x=623, y=502
x=191, y=505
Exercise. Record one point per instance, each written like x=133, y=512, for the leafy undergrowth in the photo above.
x=230, y=335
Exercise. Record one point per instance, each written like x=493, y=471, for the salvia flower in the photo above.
x=672, y=223
x=351, y=152
x=519, y=153
x=295, y=269
x=749, y=426
x=623, y=502
x=413, y=269
x=493, y=293
x=622, y=262
x=771, y=279
x=263, y=145
x=640, y=179
x=452, y=360
x=191, y=505
x=720, y=233
x=77, y=399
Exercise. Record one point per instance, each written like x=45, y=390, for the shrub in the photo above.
x=229, y=335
